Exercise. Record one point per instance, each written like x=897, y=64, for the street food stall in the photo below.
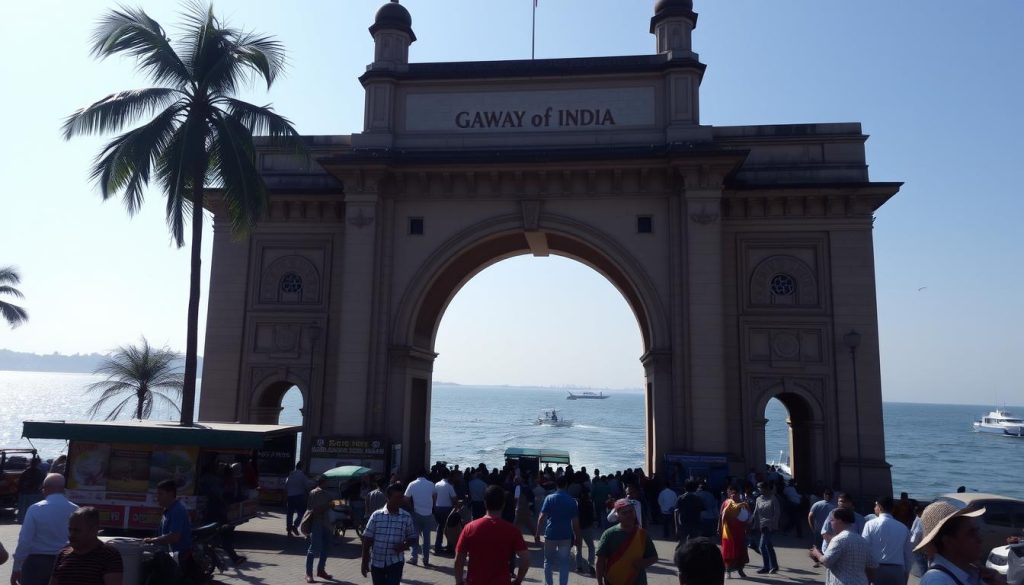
x=116, y=466
x=530, y=461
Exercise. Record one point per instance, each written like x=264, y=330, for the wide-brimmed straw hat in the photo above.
x=935, y=517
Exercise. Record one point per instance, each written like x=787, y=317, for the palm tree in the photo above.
x=13, y=314
x=199, y=133
x=138, y=376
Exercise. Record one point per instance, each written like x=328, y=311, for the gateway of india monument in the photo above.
x=745, y=253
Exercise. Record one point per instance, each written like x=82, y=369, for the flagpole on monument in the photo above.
x=533, y=36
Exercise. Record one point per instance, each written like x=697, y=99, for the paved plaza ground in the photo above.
x=275, y=558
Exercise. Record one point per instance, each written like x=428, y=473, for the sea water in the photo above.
x=931, y=447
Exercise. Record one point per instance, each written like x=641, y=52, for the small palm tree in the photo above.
x=199, y=132
x=138, y=376
x=13, y=314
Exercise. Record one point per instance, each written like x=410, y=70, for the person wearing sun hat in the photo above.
x=952, y=536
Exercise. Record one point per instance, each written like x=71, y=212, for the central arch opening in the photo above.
x=510, y=353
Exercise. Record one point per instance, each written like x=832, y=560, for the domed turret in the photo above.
x=662, y=5
x=393, y=16
x=392, y=35
x=673, y=23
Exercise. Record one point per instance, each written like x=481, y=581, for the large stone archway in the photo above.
x=471, y=251
x=744, y=252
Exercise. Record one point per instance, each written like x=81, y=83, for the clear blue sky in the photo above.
x=938, y=86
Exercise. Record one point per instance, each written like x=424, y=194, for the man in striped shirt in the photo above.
x=388, y=533
x=87, y=561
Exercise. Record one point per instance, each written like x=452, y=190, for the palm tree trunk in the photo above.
x=188, y=395
x=141, y=396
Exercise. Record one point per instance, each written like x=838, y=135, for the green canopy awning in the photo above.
x=201, y=434
x=557, y=456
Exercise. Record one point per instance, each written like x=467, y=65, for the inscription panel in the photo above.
x=531, y=111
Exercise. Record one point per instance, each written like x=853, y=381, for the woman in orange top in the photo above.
x=734, y=532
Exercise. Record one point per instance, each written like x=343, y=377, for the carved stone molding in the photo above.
x=292, y=210
x=704, y=217
x=531, y=214
x=279, y=340
x=804, y=277
x=770, y=203
x=360, y=220
x=303, y=286
x=786, y=346
x=580, y=181
x=810, y=390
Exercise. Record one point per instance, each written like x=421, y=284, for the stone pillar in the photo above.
x=659, y=407
x=355, y=318
x=859, y=394
x=225, y=328
x=406, y=405
x=705, y=337
x=757, y=445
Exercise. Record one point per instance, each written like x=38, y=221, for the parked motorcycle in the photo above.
x=206, y=551
x=343, y=519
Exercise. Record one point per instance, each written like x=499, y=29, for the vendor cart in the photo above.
x=116, y=466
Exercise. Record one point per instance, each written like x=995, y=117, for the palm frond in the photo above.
x=9, y=275
x=196, y=43
x=133, y=32
x=234, y=166
x=242, y=58
x=13, y=314
x=121, y=407
x=264, y=121
x=126, y=163
x=117, y=110
x=261, y=53
x=175, y=176
x=167, y=401
x=10, y=290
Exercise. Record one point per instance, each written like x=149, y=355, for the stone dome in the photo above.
x=667, y=4
x=393, y=16
x=669, y=8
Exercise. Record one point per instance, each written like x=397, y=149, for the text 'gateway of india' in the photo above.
x=745, y=253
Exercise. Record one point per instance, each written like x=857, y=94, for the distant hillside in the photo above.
x=79, y=363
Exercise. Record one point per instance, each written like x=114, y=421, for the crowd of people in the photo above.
x=600, y=524
x=481, y=515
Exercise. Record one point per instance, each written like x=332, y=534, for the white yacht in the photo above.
x=1000, y=422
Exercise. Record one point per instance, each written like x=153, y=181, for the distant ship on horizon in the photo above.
x=587, y=396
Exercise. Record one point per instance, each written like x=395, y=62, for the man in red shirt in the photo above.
x=490, y=543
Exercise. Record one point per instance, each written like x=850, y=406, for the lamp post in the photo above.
x=313, y=333
x=852, y=341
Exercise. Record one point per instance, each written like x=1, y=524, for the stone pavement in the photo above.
x=275, y=558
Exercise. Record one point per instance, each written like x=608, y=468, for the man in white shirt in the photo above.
x=421, y=493
x=890, y=543
x=667, y=503
x=44, y=533
x=845, y=501
x=445, y=497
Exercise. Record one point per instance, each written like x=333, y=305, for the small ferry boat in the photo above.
x=587, y=396
x=551, y=419
x=1000, y=422
x=781, y=464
